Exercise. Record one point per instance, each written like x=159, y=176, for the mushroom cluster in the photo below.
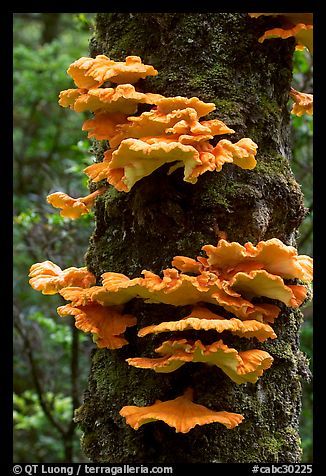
x=303, y=103
x=172, y=131
x=299, y=26
x=230, y=276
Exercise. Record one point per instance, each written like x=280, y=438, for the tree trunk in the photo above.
x=216, y=57
x=51, y=22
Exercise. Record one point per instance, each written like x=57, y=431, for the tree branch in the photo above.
x=35, y=374
x=74, y=363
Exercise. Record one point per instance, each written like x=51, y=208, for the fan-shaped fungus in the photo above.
x=104, y=124
x=180, y=290
x=107, y=324
x=167, y=105
x=299, y=25
x=262, y=283
x=135, y=159
x=180, y=413
x=93, y=72
x=303, y=103
x=248, y=328
x=275, y=257
x=169, y=133
x=50, y=278
x=154, y=123
x=230, y=276
x=241, y=367
x=74, y=207
x=123, y=99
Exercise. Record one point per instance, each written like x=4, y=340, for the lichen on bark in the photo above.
x=215, y=56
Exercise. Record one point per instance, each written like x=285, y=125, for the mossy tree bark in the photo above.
x=215, y=56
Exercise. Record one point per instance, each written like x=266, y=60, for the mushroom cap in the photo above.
x=93, y=72
x=186, y=265
x=123, y=99
x=167, y=105
x=70, y=207
x=303, y=103
x=139, y=159
x=68, y=97
x=301, y=32
x=242, y=153
x=230, y=276
x=293, y=17
x=104, y=124
x=241, y=367
x=74, y=207
x=50, y=278
x=261, y=283
x=106, y=323
x=182, y=125
x=299, y=25
x=248, y=328
x=276, y=258
x=135, y=159
x=180, y=290
x=180, y=413
x=100, y=170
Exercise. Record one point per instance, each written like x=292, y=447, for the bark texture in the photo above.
x=215, y=56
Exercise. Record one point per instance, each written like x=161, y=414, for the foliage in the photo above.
x=49, y=156
x=32, y=425
x=302, y=132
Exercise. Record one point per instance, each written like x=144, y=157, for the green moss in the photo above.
x=280, y=350
x=226, y=106
x=273, y=164
x=228, y=194
x=271, y=445
x=270, y=106
x=89, y=439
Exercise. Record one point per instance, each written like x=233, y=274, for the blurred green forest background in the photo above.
x=52, y=358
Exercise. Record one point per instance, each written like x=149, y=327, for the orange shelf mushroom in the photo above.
x=180, y=413
x=298, y=25
x=303, y=103
x=106, y=323
x=228, y=258
x=123, y=99
x=293, y=17
x=301, y=32
x=261, y=283
x=230, y=275
x=93, y=72
x=135, y=159
x=118, y=127
x=74, y=207
x=248, y=328
x=175, y=289
x=104, y=125
x=49, y=278
x=241, y=367
x=170, y=133
x=181, y=289
x=168, y=105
